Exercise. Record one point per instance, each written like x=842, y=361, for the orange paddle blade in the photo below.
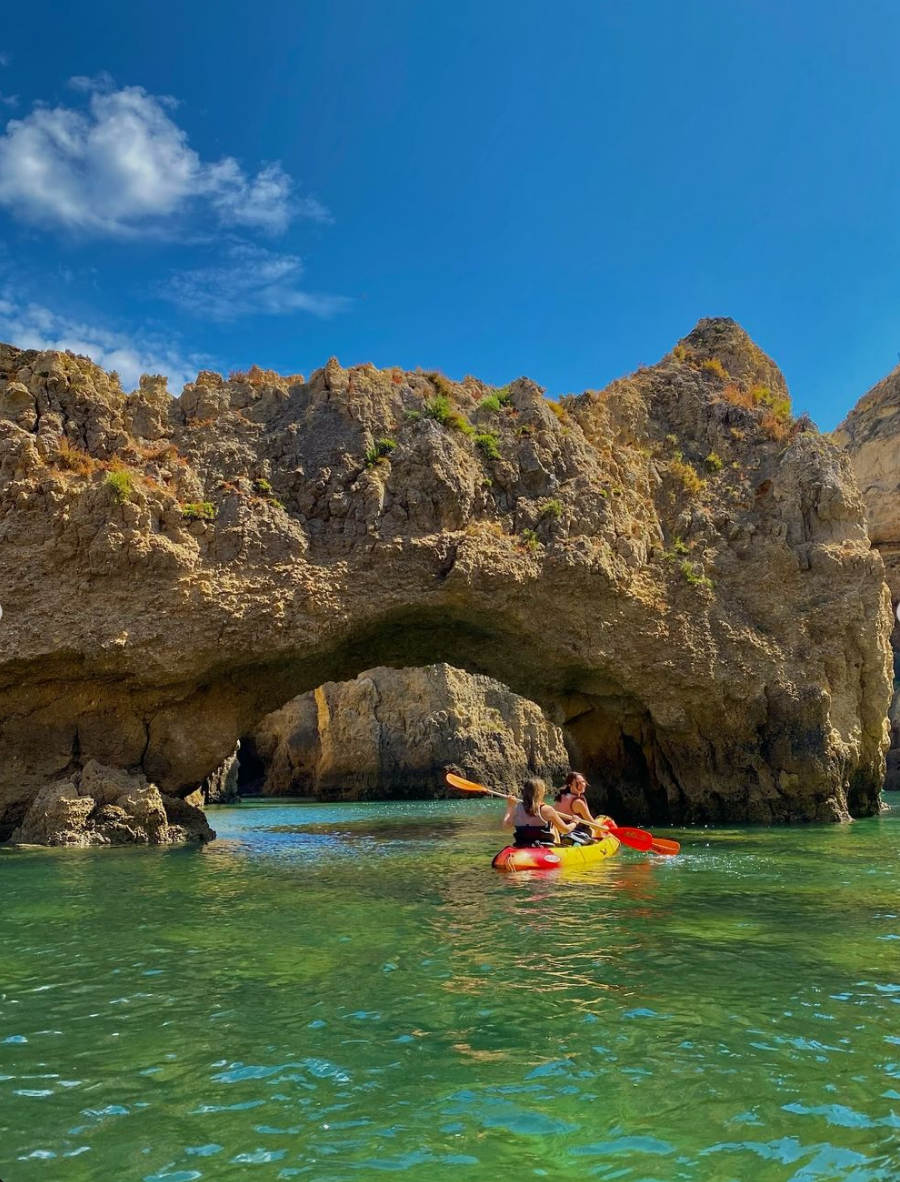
x=638, y=839
x=662, y=845
x=456, y=781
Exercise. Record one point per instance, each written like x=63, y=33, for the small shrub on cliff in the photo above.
x=264, y=489
x=689, y=570
x=560, y=411
x=679, y=546
x=489, y=445
x=73, y=459
x=686, y=474
x=777, y=419
x=681, y=352
x=440, y=409
x=497, y=401
x=380, y=450
x=714, y=365
x=199, y=511
x=530, y=541
x=714, y=462
x=121, y=484
x=441, y=384
x=552, y=508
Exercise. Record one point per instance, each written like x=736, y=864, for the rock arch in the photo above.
x=671, y=567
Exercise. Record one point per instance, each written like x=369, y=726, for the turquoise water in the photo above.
x=347, y=992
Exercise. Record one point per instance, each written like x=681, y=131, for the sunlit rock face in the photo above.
x=394, y=733
x=871, y=436
x=106, y=806
x=672, y=568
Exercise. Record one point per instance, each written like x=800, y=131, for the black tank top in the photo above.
x=526, y=835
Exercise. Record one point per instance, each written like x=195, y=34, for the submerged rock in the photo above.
x=671, y=567
x=394, y=733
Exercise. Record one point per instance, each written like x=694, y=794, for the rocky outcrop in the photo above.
x=106, y=806
x=394, y=732
x=221, y=786
x=871, y=436
x=671, y=567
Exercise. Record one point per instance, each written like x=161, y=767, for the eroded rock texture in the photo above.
x=394, y=732
x=670, y=567
x=106, y=806
x=871, y=436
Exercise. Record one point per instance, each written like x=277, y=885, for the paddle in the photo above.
x=662, y=845
x=638, y=839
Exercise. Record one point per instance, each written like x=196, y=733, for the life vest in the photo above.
x=530, y=835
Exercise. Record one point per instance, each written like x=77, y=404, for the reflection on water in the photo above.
x=339, y=992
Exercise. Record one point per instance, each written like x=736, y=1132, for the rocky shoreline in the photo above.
x=105, y=806
x=674, y=569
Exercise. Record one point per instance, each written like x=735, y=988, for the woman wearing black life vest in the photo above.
x=534, y=822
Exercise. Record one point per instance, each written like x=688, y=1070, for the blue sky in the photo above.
x=500, y=188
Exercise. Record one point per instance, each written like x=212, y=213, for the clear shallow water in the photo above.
x=348, y=992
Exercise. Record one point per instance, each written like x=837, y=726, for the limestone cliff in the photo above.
x=871, y=436
x=394, y=732
x=672, y=567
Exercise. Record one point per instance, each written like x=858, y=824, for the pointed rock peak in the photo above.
x=722, y=339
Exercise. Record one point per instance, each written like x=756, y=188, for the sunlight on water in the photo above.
x=342, y=992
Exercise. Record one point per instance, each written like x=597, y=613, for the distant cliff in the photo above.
x=871, y=436
x=672, y=567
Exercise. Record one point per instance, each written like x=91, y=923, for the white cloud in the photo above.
x=9, y=100
x=32, y=326
x=102, y=81
x=122, y=166
x=253, y=282
x=5, y=59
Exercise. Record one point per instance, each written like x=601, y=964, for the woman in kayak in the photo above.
x=535, y=823
x=570, y=802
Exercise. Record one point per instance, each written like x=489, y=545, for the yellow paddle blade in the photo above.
x=456, y=781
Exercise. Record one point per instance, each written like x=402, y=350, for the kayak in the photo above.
x=554, y=857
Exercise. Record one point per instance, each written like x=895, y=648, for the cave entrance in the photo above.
x=608, y=733
x=390, y=733
x=615, y=743
x=251, y=767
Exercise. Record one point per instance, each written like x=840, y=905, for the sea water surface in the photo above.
x=349, y=992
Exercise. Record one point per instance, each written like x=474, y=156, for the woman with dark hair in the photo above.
x=571, y=802
x=534, y=822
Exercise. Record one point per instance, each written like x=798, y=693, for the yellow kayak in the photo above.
x=554, y=857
